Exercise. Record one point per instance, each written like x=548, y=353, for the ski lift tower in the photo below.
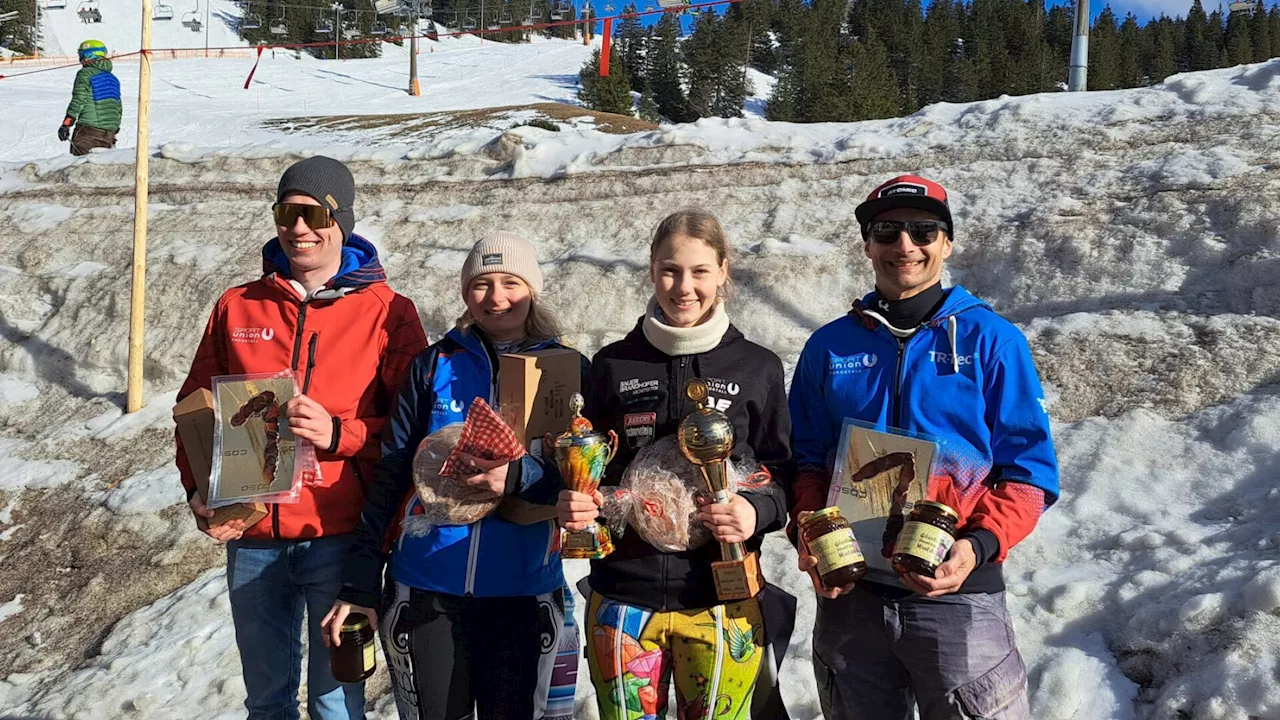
x=416, y=8
x=1078, y=78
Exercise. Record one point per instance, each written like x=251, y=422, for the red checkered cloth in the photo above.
x=484, y=435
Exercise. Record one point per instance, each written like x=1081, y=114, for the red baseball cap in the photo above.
x=905, y=191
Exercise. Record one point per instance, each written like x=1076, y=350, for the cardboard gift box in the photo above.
x=195, y=419
x=533, y=399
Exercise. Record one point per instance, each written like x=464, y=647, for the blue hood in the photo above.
x=360, y=264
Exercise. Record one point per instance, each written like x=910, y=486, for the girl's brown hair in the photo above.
x=694, y=222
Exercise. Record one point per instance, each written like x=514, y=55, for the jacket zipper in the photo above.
x=473, y=553
x=897, y=382
x=311, y=361
x=297, y=351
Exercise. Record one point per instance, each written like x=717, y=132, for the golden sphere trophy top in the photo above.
x=582, y=454
x=705, y=437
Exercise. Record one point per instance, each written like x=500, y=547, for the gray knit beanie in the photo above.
x=329, y=183
x=503, y=252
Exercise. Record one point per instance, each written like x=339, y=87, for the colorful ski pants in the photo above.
x=712, y=653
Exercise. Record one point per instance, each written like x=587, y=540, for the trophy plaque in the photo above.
x=582, y=454
x=706, y=439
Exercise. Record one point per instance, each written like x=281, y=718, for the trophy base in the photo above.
x=590, y=544
x=738, y=579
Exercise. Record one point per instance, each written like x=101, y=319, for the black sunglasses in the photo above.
x=922, y=232
x=315, y=216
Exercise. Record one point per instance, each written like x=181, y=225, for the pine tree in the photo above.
x=663, y=70
x=610, y=94
x=1197, y=52
x=941, y=30
x=1216, y=40
x=1129, y=54
x=1059, y=26
x=876, y=92
x=1273, y=26
x=648, y=109
x=1104, y=52
x=700, y=53
x=1164, y=48
x=628, y=47
x=823, y=91
x=781, y=106
x=1260, y=33
x=1239, y=45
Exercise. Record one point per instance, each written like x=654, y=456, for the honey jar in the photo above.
x=926, y=538
x=830, y=539
x=355, y=657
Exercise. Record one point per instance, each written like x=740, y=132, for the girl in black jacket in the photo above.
x=655, y=614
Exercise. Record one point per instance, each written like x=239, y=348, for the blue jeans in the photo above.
x=954, y=656
x=270, y=582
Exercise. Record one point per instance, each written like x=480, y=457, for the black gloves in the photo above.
x=64, y=133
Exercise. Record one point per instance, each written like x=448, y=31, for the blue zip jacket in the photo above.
x=489, y=558
x=966, y=380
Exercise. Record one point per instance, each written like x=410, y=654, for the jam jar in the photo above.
x=926, y=538
x=355, y=658
x=831, y=541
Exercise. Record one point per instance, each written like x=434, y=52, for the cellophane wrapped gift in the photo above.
x=657, y=495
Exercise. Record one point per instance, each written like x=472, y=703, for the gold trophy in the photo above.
x=582, y=454
x=705, y=437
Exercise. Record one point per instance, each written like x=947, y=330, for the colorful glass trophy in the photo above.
x=706, y=439
x=582, y=454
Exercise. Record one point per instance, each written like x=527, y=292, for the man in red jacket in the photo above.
x=322, y=309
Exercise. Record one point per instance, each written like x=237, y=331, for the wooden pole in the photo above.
x=138, y=296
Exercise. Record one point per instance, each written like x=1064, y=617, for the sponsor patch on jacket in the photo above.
x=252, y=334
x=491, y=259
x=639, y=428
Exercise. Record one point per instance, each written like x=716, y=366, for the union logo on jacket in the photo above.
x=350, y=342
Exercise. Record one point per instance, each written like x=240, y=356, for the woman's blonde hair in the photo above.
x=540, y=325
x=698, y=223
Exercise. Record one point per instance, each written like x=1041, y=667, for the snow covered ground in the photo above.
x=1133, y=235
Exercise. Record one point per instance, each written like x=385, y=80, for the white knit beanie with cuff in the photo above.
x=503, y=252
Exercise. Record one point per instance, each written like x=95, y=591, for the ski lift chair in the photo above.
x=252, y=21
x=279, y=27
x=493, y=24
x=555, y=13
x=505, y=19
x=535, y=14
x=192, y=20
x=379, y=28
x=350, y=30
x=469, y=23
x=324, y=26
x=162, y=12
x=55, y=4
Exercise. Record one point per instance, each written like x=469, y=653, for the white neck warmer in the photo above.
x=676, y=341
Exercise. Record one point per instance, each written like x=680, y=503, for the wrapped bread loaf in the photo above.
x=656, y=497
x=445, y=501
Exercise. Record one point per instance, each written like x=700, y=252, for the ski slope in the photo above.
x=1131, y=234
x=62, y=31
x=203, y=103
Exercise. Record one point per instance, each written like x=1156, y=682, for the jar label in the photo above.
x=370, y=656
x=925, y=541
x=836, y=550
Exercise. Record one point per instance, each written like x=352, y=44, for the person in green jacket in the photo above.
x=95, y=102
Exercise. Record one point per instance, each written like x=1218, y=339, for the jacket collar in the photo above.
x=360, y=267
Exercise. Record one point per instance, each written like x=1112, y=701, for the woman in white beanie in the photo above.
x=475, y=618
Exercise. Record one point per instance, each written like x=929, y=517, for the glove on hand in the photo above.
x=64, y=133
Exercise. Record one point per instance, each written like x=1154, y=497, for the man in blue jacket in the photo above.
x=937, y=363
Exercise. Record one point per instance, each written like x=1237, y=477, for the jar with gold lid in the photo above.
x=354, y=659
x=830, y=540
x=926, y=538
